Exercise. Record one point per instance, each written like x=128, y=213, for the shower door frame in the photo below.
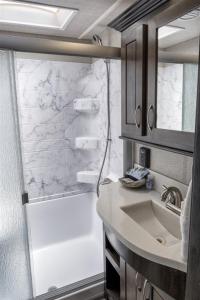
x=92, y=286
x=32, y=43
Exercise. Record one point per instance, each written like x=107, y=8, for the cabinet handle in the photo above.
x=151, y=108
x=146, y=282
x=137, y=284
x=138, y=108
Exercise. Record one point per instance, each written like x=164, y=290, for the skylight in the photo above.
x=167, y=30
x=21, y=13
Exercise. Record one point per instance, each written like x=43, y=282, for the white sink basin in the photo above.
x=162, y=224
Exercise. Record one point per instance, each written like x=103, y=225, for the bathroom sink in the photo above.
x=162, y=224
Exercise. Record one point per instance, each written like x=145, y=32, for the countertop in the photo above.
x=112, y=197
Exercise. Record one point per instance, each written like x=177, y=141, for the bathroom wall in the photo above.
x=172, y=165
x=168, y=168
x=49, y=123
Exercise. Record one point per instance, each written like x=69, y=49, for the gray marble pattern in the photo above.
x=49, y=123
x=169, y=96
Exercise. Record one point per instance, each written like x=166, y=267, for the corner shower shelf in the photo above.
x=86, y=142
x=88, y=105
x=87, y=177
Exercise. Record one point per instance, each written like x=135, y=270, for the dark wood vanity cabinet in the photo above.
x=134, y=72
x=131, y=277
x=159, y=295
x=137, y=287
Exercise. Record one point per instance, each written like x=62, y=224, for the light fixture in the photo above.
x=191, y=15
x=29, y=14
x=168, y=30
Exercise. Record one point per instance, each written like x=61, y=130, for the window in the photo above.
x=21, y=13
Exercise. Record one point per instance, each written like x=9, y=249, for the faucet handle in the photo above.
x=164, y=187
x=168, y=194
x=164, y=193
x=172, y=196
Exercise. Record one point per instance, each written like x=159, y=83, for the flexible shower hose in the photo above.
x=108, y=137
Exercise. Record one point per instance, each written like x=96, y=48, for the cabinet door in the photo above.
x=131, y=287
x=160, y=295
x=134, y=58
x=147, y=293
x=172, y=81
x=134, y=284
x=122, y=279
x=156, y=296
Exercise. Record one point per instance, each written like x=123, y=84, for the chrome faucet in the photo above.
x=172, y=197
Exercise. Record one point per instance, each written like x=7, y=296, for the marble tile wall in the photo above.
x=49, y=123
x=95, y=84
x=169, y=96
x=190, y=79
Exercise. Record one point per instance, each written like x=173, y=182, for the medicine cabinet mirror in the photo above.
x=177, y=72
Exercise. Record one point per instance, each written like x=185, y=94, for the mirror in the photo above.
x=177, y=72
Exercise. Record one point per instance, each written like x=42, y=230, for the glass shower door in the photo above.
x=15, y=283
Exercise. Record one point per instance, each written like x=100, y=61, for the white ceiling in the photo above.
x=92, y=17
x=190, y=30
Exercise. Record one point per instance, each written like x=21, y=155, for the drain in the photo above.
x=161, y=240
x=52, y=288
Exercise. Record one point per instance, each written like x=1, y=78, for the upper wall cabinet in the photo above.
x=173, y=80
x=134, y=72
x=167, y=116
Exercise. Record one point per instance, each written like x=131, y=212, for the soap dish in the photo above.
x=130, y=183
x=86, y=105
x=90, y=177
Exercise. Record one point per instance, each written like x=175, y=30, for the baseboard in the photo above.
x=94, y=292
x=89, y=289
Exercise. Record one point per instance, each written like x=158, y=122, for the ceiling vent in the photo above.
x=136, y=12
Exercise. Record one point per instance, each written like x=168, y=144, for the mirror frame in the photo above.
x=193, y=274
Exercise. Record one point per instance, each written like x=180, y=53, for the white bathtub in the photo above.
x=66, y=241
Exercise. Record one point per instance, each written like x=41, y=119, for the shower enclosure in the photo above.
x=14, y=263
x=63, y=122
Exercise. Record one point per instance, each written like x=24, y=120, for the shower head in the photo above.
x=97, y=40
